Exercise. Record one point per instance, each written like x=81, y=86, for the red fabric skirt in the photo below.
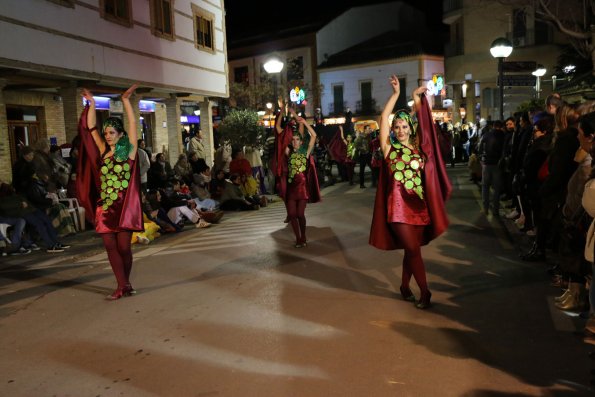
x=297, y=189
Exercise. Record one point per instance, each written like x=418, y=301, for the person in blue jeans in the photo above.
x=12, y=204
x=20, y=245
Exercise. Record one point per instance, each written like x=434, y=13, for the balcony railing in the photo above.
x=337, y=109
x=366, y=107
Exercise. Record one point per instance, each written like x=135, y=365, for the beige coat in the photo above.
x=588, y=202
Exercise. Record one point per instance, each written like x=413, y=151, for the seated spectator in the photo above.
x=201, y=191
x=181, y=207
x=155, y=212
x=151, y=231
x=48, y=202
x=198, y=164
x=217, y=185
x=232, y=198
x=239, y=165
x=23, y=170
x=183, y=169
x=19, y=244
x=249, y=188
x=14, y=205
x=159, y=173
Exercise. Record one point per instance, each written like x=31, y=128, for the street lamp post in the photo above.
x=274, y=65
x=500, y=49
x=539, y=73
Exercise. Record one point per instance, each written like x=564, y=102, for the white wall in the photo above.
x=359, y=24
x=378, y=73
x=82, y=44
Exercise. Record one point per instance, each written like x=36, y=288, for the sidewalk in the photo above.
x=88, y=243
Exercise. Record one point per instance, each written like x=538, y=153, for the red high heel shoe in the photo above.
x=424, y=300
x=406, y=294
x=117, y=294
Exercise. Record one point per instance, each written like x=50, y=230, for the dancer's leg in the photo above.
x=125, y=250
x=301, y=217
x=292, y=215
x=115, y=259
x=411, y=237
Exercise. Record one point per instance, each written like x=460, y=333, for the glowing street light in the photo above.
x=274, y=66
x=539, y=73
x=501, y=48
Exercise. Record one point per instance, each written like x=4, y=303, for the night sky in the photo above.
x=241, y=20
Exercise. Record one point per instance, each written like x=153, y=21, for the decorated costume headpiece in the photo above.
x=404, y=115
x=123, y=145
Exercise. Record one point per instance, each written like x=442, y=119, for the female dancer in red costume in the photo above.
x=283, y=137
x=409, y=208
x=297, y=194
x=108, y=185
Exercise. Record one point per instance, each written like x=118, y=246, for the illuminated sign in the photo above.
x=190, y=119
x=101, y=103
x=146, y=106
x=436, y=85
x=297, y=95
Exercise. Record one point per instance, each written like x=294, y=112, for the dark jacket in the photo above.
x=491, y=147
x=561, y=166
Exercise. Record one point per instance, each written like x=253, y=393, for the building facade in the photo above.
x=470, y=70
x=175, y=50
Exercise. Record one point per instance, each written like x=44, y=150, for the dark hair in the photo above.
x=525, y=117
x=554, y=100
x=587, y=124
x=544, y=122
x=234, y=176
x=511, y=119
x=25, y=150
x=498, y=125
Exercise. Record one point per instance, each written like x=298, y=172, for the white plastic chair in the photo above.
x=76, y=212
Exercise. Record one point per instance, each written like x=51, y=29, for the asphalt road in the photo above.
x=236, y=310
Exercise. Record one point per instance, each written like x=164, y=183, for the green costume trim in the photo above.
x=115, y=177
x=406, y=167
x=297, y=163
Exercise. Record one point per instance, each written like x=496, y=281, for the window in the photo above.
x=519, y=23
x=240, y=75
x=295, y=68
x=162, y=21
x=337, y=99
x=367, y=104
x=118, y=11
x=203, y=29
x=402, y=101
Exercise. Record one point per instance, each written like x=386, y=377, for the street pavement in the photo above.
x=236, y=310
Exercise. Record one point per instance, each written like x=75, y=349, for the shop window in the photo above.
x=118, y=11
x=204, y=38
x=162, y=21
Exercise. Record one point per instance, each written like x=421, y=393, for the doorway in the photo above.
x=20, y=134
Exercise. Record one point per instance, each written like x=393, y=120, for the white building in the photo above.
x=49, y=50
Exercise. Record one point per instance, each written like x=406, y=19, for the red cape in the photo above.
x=337, y=148
x=437, y=188
x=88, y=183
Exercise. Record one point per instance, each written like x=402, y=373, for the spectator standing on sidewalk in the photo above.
x=362, y=149
x=109, y=160
x=490, y=149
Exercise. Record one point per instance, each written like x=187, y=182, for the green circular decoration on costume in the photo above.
x=417, y=181
x=408, y=185
x=103, y=195
x=126, y=167
x=399, y=176
x=302, y=169
x=406, y=157
x=127, y=175
x=393, y=167
x=393, y=155
x=414, y=164
x=124, y=184
x=108, y=202
x=408, y=174
x=118, y=168
x=104, y=206
x=110, y=165
x=400, y=165
x=102, y=178
x=103, y=186
x=104, y=170
x=113, y=196
x=110, y=182
x=406, y=150
x=110, y=189
x=117, y=184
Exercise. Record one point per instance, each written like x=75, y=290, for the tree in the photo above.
x=573, y=18
x=241, y=127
